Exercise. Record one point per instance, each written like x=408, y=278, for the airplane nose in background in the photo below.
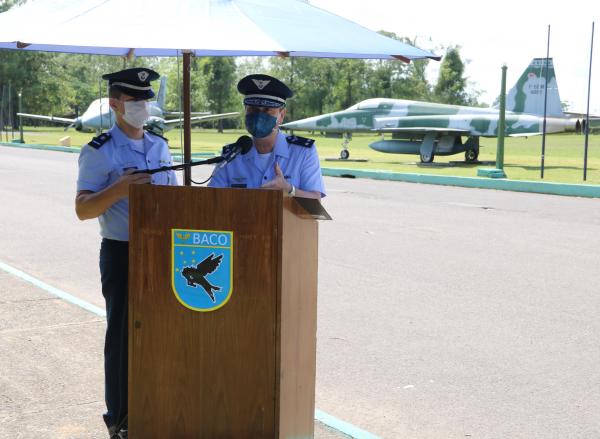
x=308, y=123
x=78, y=124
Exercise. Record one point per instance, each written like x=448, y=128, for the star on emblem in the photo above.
x=261, y=83
x=143, y=75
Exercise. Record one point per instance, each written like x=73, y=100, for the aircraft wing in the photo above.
x=48, y=118
x=525, y=134
x=580, y=115
x=206, y=118
x=420, y=130
x=180, y=113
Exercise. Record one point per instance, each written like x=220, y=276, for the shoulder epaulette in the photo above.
x=100, y=140
x=302, y=141
x=149, y=131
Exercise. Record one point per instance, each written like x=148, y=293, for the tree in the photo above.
x=399, y=80
x=5, y=5
x=311, y=80
x=219, y=74
x=451, y=85
x=350, y=82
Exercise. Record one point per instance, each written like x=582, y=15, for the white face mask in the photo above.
x=136, y=113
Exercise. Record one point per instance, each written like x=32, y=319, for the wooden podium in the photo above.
x=247, y=368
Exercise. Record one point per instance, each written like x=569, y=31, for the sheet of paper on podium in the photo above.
x=312, y=208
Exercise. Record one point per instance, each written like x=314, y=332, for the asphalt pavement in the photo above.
x=443, y=312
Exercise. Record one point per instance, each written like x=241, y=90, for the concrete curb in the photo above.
x=572, y=190
x=75, y=149
x=565, y=189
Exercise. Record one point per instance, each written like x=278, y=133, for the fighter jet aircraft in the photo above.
x=431, y=129
x=99, y=116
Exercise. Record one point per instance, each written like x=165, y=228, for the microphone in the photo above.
x=241, y=145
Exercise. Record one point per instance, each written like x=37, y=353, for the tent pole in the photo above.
x=187, y=123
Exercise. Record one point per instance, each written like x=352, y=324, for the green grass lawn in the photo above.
x=564, y=154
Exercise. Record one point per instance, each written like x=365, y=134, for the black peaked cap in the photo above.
x=134, y=82
x=264, y=91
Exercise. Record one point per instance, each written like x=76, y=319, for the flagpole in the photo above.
x=545, y=101
x=587, y=112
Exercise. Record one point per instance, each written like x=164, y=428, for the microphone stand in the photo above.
x=180, y=166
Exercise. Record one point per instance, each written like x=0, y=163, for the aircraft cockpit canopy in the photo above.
x=369, y=104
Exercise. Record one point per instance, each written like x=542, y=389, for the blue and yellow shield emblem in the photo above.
x=202, y=268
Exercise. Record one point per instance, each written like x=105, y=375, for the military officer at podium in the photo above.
x=105, y=173
x=276, y=161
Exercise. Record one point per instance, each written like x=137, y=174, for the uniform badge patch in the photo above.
x=202, y=268
x=261, y=83
x=143, y=75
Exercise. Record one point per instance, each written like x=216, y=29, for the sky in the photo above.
x=491, y=34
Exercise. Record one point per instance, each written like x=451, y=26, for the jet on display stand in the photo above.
x=429, y=129
x=99, y=115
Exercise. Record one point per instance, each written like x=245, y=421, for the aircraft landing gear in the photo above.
x=426, y=157
x=345, y=153
x=427, y=149
x=472, y=149
x=471, y=155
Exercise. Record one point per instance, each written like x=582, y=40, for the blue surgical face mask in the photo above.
x=260, y=124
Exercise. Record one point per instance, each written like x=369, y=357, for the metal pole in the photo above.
x=2, y=112
x=587, y=112
x=501, y=123
x=22, y=139
x=545, y=101
x=291, y=107
x=187, y=122
x=10, y=112
x=100, y=100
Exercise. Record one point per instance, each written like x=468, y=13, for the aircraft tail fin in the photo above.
x=162, y=93
x=527, y=96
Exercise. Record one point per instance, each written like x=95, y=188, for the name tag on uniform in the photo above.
x=239, y=182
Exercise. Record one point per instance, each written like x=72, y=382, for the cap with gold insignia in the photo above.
x=264, y=91
x=133, y=82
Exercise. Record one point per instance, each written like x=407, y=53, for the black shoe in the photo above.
x=114, y=434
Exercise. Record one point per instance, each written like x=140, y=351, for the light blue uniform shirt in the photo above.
x=299, y=164
x=101, y=167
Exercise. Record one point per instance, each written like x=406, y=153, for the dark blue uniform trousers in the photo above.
x=114, y=265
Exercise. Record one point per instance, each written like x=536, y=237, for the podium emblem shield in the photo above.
x=202, y=268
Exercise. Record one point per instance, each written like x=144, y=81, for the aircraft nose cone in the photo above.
x=78, y=124
x=292, y=125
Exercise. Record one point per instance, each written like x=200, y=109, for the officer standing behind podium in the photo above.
x=105, y=173
x=276, y=161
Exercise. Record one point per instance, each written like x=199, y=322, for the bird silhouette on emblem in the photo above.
x=196, y=276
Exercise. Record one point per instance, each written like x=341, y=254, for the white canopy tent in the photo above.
x=288, y=28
